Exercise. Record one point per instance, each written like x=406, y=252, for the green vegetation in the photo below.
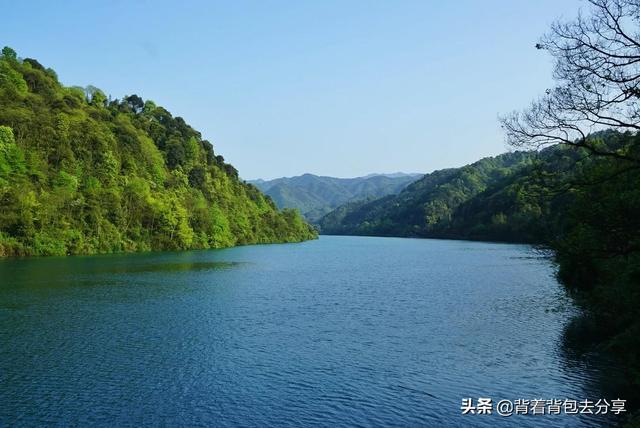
x=427, y=207
x=82, y=174
x=315, y=196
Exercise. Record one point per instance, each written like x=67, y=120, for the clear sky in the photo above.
x=341, y=88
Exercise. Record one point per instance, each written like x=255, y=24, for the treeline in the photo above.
x=427, y=207
x=81, y=173
x=316, y=196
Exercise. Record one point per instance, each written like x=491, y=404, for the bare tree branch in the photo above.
x=597, y=69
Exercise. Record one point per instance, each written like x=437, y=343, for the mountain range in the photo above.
x=513, y=197
x=316, y=195
x=426, y=207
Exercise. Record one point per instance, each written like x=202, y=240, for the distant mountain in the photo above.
x=315, y=195
x=427, y=206
x=525, y=197
x=395, y=174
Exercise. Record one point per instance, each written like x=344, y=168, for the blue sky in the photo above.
x=340, y=88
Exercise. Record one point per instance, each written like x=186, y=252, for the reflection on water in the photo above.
x=583, y=356
x=164, y=267
x=343, y=331
x=67, y=269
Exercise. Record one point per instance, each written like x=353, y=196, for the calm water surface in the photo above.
x=343, y=331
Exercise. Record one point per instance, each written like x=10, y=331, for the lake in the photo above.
x=342, y=331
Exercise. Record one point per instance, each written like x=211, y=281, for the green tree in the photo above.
x=80, y=175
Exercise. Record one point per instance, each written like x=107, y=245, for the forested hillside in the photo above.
x=425, y=207
x=81, y=173
x=315, y=196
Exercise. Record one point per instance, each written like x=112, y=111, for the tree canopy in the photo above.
x=81, y=173
x=597, y=70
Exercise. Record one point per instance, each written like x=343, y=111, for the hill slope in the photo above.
x=83, y=174
x=426, y=206
x=315, y=195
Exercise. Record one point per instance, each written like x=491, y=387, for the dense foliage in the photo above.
x=595, y=232
x=427, y=206
x=315, y=196
x=80, y=174
x=597, y=246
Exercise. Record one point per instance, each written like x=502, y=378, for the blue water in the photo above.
x=342, y=331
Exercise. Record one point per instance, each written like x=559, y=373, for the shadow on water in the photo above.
x=74, y=271
x=83, y=281
x=162, y=267
x=584, y=356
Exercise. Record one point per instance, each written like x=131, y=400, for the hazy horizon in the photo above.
x=372, y=174
x=333, y=89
